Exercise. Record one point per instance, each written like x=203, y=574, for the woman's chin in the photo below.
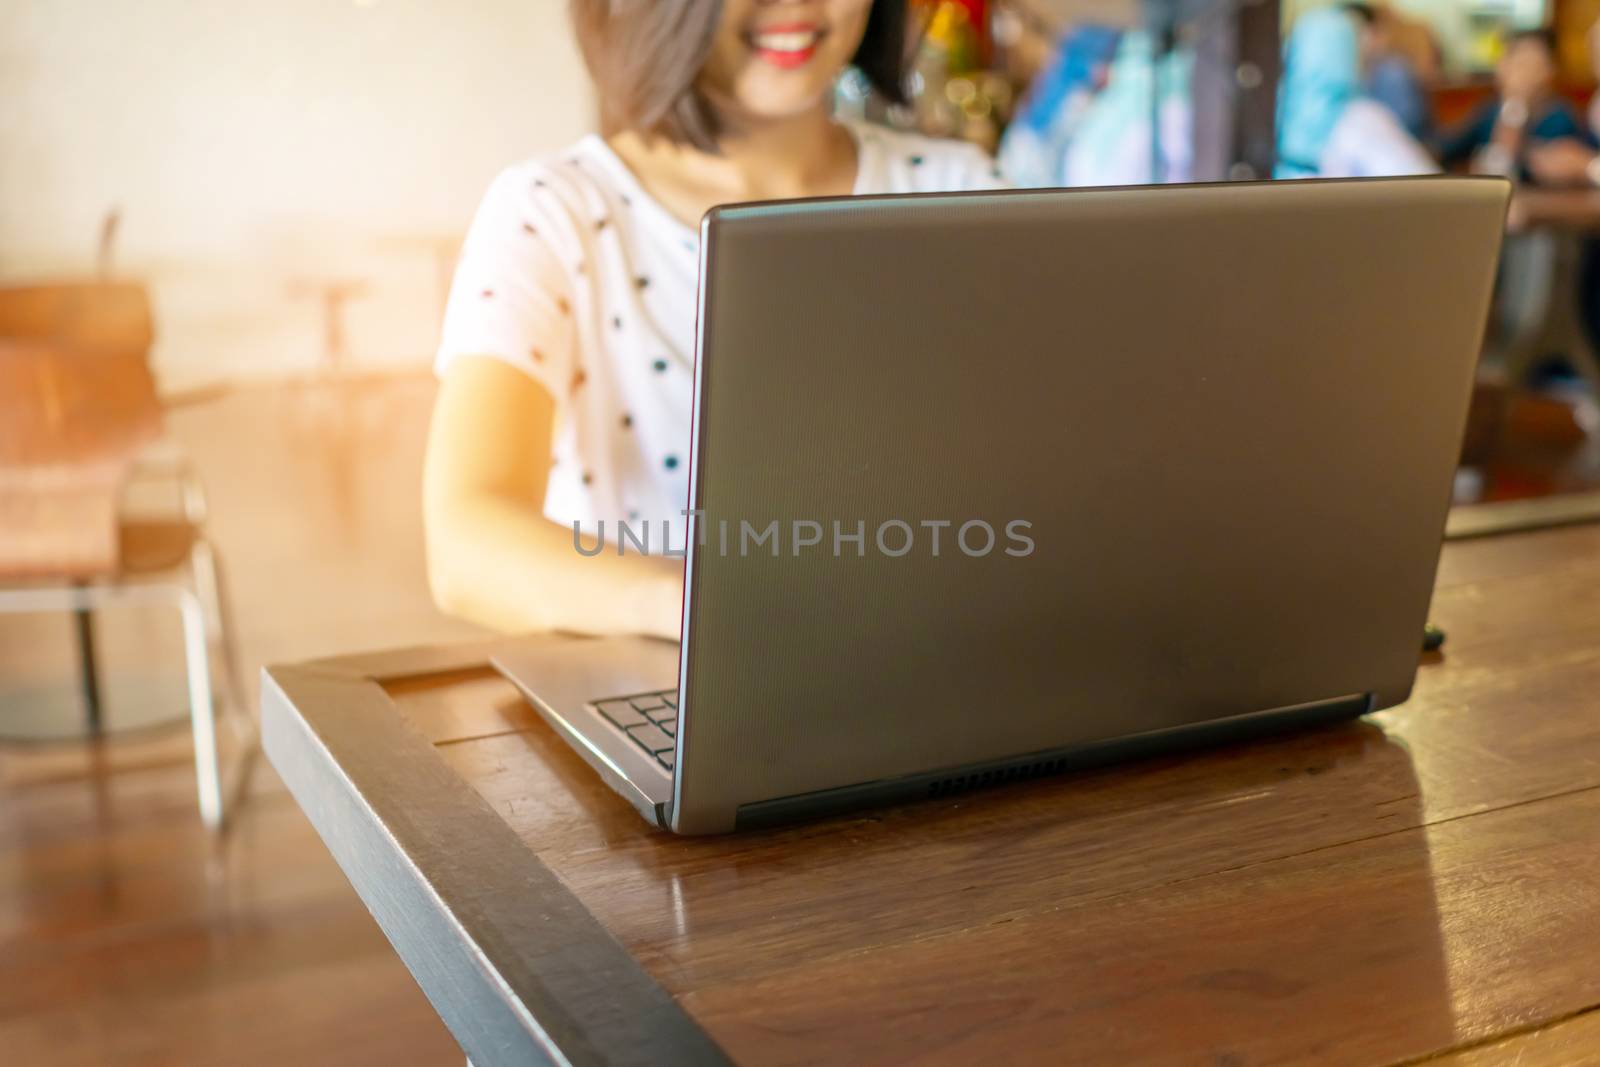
x=778, y=107
x=765, y=90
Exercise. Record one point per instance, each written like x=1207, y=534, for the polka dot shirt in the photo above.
x=575, y=276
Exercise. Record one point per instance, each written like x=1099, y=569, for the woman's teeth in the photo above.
x=787, y=41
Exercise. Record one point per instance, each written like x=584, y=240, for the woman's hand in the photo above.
x=493, y=558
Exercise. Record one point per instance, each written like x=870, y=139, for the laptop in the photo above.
x=986, y=486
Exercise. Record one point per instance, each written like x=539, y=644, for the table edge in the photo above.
x=514, y=963
x=1467, y=521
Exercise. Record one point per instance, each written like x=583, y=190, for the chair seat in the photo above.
x=55, y=527
x=143, y=546
x=155, y=544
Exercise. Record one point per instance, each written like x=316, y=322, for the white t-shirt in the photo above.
x=574, y=275
x=1369, y=142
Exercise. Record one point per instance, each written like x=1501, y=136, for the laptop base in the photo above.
x=946, y=783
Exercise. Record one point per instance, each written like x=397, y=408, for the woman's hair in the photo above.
x=1542, y=36
x=645, y=55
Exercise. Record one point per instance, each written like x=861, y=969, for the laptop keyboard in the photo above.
x=650, y=720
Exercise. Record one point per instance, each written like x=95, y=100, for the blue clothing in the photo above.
x=1321, y=75
x=1137, y=85
x=1081, y=51
x=1033, y=150
x=1393, y=83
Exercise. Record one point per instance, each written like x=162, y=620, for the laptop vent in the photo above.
x=945, y=787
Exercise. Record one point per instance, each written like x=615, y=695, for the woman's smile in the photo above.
x=787, y=46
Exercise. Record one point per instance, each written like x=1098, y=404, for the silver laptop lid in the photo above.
x=1186, y=451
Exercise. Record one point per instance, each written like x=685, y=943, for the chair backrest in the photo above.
x=71, y=421
x=94, y=316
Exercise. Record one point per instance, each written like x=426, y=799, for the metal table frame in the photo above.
x=516, y=966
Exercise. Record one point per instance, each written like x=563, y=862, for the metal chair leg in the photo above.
x=88, y=669
x=202, y=715
x=210, y=584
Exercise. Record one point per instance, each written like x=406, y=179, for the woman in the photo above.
x=1513, y=133
x=1326, y=128
x=1113, y=144
x=567, y=355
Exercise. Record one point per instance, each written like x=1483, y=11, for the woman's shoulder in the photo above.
x=568, y=183
x=900, y=161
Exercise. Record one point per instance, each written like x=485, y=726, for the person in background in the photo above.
x=1112, y=145
x=566, y=361
x=1033, y=150
x=1391, y=76
x=1572, y=160
x=1326, y=127
x=1510, y=134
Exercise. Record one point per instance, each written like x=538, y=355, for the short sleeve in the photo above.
x=511, y=299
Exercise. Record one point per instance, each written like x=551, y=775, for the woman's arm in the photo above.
x=493, y=558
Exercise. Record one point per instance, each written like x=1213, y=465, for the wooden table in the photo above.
x=1567, y=209
x=1420, y=886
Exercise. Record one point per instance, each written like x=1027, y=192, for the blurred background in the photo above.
x=226, y=236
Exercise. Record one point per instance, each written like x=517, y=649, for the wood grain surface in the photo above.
x=129, y=935
x=1420, y=885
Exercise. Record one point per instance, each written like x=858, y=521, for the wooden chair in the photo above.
x=78, y=417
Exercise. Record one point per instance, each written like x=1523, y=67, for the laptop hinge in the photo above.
x=951, y=780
